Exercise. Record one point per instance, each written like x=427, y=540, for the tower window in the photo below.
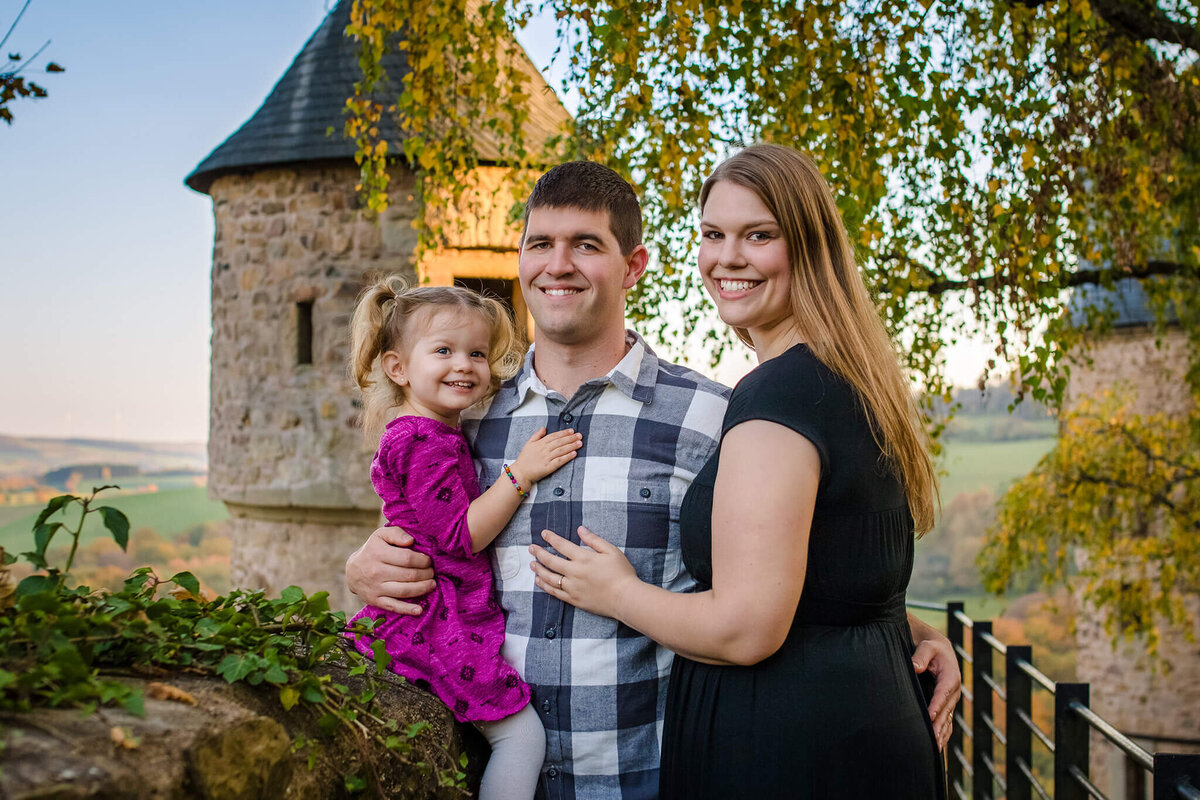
x=304, y=332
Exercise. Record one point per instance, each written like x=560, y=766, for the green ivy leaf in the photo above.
x=383, y=659
x=117, y=524
x=288, y=697
x=36, y=584
x=275, y=674
x=292, y=594
x=187, y=581
x=135, y=703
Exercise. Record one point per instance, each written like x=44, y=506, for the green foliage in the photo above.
x=1117, y=504
x=64, y=645
x=986, y=155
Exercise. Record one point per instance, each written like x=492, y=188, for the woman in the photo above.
x=793, y=676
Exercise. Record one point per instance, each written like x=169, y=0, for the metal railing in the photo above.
x=1175, y=776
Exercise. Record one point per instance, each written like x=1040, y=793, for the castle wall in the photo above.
x=1137, y=697
x=285, y=451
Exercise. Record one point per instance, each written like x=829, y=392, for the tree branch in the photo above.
x=1143, y=19
x=1137, y=19
x=1083, y=277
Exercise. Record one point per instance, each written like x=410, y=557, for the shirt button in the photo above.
x=546, y=706
x=552, y=772
x=558, y=491
x=645, y=492
x=550, y=633
x=568, y=417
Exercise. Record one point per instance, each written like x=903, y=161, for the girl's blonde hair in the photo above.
x=833, y=312
x=381, y=323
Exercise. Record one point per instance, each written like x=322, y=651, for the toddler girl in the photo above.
x=432, y=352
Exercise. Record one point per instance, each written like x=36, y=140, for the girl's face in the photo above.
x=445, y=367
x=744, y=262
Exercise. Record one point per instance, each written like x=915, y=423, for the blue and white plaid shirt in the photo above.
x=599, y=687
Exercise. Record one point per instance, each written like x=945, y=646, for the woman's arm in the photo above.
x=763, y=504
x=935, y=654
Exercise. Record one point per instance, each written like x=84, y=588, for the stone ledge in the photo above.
x=236, y=743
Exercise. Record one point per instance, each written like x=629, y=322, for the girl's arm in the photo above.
x=763, y=504
x=540, y=456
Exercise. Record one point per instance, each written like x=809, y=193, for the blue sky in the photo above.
x=104, y=253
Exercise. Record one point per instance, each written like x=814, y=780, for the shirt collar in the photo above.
x=634, y=376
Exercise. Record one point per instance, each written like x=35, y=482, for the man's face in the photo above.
x=574, y=276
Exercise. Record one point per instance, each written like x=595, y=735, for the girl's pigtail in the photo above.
x=373, y=331
x=506, y=350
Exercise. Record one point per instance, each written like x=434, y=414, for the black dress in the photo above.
x=838, y=711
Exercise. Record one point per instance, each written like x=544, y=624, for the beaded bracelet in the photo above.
x=516, y=485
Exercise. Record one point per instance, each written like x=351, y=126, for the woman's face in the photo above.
x=744, y=262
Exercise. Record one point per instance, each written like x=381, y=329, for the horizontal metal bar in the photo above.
x=1033, y=781
x=997, y=688
x=1036, y=674
x=962, y=759
x=963, y=654
x=1034, y=729
x=964, y=619
x=968, y=694
x=1083, y=781
x=925, y=604
x=1135, y=751
x=1187, y=791
x=991, y=767
x=999, y=734
x=994, y=643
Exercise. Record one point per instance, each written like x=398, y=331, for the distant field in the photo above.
x=978, y=606
x=971, y=466
x=168, y=512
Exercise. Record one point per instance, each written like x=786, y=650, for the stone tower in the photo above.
x=290, y=255
x=1159, y=710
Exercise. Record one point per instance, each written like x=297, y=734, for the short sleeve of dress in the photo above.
x=788, y=390
x=424, y=465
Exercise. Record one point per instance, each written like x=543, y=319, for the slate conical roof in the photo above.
x=292, y=123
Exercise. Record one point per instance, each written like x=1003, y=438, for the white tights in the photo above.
x=518, y=749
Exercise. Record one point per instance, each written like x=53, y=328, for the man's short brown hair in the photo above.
x=589, y=186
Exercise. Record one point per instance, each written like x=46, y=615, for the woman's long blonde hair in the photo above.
x=381, y=323
x=833, y=312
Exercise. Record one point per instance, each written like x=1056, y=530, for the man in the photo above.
x=648, y=427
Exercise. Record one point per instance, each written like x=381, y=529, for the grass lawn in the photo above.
x=168, y=512
x=971, y=466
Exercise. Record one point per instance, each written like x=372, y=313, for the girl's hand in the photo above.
x=543, y=454
x=594, y=578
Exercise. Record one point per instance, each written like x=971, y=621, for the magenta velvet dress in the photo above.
x=424, y=475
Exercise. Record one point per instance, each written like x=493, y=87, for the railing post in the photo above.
x=983, y=782
x=1071, y=733
x=954, y=632
x=1018, y=687
x=1173, y=771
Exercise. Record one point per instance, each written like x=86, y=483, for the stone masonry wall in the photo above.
x=285, y=451
x=283, y=434
x=1126, y=689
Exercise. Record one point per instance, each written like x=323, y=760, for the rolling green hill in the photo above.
x=168, y=512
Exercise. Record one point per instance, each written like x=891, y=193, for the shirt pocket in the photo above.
x=651, y=523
